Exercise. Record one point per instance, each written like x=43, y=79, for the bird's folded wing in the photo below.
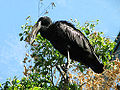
x=77, y=36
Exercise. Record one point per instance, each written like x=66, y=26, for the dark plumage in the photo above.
x=64, y=36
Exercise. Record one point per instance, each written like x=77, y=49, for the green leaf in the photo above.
x=20, y=34
x=19, y=85
x=17, y=81
x=83, y=28
x=97, y=20
x=21, y=38
x=26, y=32
x=22, y=26
x=113, y=63
x=81, y=69
x=87, y=31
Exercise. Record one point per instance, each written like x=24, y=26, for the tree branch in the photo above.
x=60, y=71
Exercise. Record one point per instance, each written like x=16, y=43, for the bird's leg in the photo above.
x=68, y=60
x=68, y=57
x=67, y=67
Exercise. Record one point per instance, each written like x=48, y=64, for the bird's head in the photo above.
x=42, y=22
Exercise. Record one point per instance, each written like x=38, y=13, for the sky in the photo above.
x=14, y=12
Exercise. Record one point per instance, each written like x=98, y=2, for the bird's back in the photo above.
x=64, y=34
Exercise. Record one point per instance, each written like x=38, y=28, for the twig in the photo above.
x=60, y=71
x=63, y=68
x=52, y=76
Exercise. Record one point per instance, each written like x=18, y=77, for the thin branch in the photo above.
x=60, y=71
x=52, y=76
x=63, y=68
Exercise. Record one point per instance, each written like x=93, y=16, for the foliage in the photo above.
x=108, y=79
x=32, y=82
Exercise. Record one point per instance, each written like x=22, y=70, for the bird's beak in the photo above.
x=34, y=32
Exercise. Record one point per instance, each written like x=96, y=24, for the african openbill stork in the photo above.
x=68, y=40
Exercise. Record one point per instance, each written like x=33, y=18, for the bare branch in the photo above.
x=60, y=71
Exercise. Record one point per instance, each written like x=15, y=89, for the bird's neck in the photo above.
x=44, y=31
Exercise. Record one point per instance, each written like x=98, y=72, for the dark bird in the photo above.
x=65, y=37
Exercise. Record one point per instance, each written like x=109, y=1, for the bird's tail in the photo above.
x=95, y=65
x=97, y=68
